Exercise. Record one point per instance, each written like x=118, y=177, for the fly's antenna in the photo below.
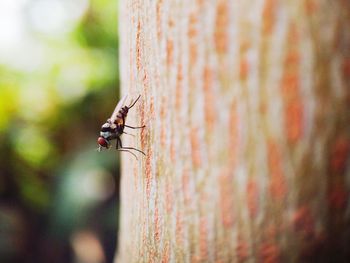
x=133, y=103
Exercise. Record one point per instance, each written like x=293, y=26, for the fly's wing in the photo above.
x=117, y=108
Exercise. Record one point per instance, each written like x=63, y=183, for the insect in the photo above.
x=114, y=128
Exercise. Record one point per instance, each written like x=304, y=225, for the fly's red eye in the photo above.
x=102, y=141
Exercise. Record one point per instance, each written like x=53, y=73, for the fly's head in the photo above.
x=106, y=134
x=102, y=142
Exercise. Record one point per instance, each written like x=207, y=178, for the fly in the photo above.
x=114, y=128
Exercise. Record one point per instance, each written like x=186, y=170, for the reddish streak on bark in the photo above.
x=185, y=186
x=138, y=47
x=169, y=197
x=338, y=197
x=234, y=137
x=203, y=238
x=346, y=67
x=277, y=181
x=171, y=22
x=145, y=81
x=304, y=223
x=226, y=200
x=269, y=252
x=293, y=110
x=269, y=16
x=252, y=197
x=178, y=97
x=243, y=68
x=144, y=138
x=148, y=172
x=144, y=239
x=339, y=154
x=208, y=79
x=172, y=149
x=293, y=56
x=163, y=108
x=290, y=83
x=195, y=147
x=179, y=229
x=156, y=223
x=166, y=253
x=192, y=34
x=200, y=3
x=144, y=132
x=294, y=115
x=221, y=26
x=311, y=6
x=151, y=108
x=163, y=113
x=170, y=52
x=242, y=250
x=159, y=15
x=136, y=178
x=346, y=73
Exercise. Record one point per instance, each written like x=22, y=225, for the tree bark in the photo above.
x=247, y=138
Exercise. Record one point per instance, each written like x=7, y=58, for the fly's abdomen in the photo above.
x=120, y=120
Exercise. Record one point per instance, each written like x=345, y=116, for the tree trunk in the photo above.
x=247, y=138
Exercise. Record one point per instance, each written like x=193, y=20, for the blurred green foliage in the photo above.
x=55, y=92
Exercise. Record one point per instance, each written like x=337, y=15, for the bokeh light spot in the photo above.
x=32, y=145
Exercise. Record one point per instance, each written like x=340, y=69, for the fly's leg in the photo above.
x=122, y=150
x=128, y=134
x=127, y=148
x=131, y=148
x=131, y=127
x=119, y=142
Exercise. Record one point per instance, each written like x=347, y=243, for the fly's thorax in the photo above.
x=106, y=134
x=108, y=131
x=108, y=127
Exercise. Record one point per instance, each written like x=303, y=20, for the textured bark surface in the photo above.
x=246, y=105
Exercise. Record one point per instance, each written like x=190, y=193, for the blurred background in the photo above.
x=58, y=85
